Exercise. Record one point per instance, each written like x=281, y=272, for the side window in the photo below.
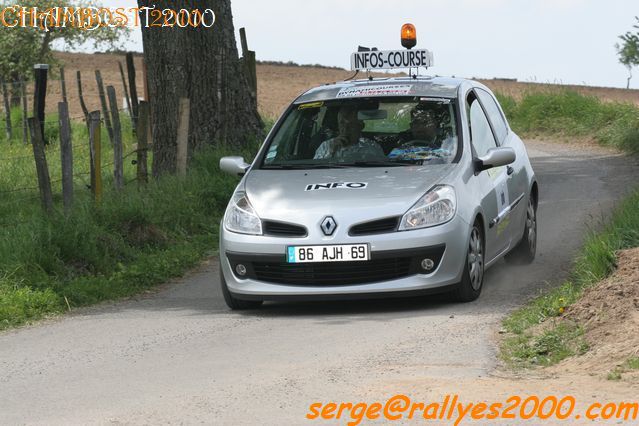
x=494, y=114
x=481, y=135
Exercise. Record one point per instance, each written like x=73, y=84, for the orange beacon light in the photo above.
x=409, y=36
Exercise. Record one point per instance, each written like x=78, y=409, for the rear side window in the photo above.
x=494, y=114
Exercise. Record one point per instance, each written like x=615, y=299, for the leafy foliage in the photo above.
x=22, y=47
x=628, y=50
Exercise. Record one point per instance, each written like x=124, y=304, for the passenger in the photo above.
x=424, y=140
x=424, y=126
x=349, y=145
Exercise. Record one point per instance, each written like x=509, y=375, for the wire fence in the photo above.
x=80, y=148
x=22, y=165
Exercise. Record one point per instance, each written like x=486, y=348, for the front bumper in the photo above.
x=394, y=267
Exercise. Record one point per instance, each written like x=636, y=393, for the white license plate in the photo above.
x=338, y=253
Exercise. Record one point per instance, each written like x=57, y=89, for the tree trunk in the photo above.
x=201, y=64
x=45, y=46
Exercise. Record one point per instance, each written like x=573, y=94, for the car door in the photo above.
x=495, y=197
x=512, y=223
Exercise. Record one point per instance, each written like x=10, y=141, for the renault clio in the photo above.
x=379, y=188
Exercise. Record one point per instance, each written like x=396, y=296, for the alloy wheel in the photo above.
x=476, y=259
x=531, y=225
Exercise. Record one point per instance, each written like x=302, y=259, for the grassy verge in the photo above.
x=532, y=339
x=132, y=240
x=570, y=114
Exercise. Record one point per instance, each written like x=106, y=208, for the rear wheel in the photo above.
x=472, y=282
x=233, y=302
x=525, y=251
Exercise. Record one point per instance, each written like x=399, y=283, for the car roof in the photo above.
x=440, y=87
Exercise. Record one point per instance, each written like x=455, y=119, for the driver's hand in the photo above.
x=338, y=144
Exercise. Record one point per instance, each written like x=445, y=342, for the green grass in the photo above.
x=547, y=348
x=631, y=364
x=134, y=239
x=525, y=346
x=614, y=375
x=573, y=115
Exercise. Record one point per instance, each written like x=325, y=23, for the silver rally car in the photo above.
x=379, y=188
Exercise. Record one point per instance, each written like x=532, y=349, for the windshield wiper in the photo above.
x=376, y=164
x=298, y=166
x=303, y=166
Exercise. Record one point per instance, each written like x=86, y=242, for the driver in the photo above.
x=349, y=145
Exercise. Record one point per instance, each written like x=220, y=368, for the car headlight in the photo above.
x=438, y=206
x=240, y=216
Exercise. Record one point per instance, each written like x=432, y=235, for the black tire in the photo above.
x=525, y=251
x=472, y=282
x=235, y=303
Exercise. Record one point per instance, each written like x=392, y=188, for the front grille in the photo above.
x=281, y=229
x=383, y=266
x=339, y=273
x=375, y=227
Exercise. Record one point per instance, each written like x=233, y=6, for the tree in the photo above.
x=628, y=51
x=22, y=47
x=201, y=64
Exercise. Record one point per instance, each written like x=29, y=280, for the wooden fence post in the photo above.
x=39, y=98
x=103, y=103
x=66, y=156
x=184, y=112
x=95, y=139
x=44, y=181
x=118, y=160
x=126, y=92
x=249, y=64
x=130, y=68
x=83, y=105
x=145, y=81
x=143, y=130
x=25, y=125
x=7, y=111
x=63, y=85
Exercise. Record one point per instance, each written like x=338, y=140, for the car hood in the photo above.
x=290, y=195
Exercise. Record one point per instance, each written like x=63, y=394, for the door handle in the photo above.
x=510, y=170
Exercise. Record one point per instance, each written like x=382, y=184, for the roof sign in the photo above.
x=391, y=59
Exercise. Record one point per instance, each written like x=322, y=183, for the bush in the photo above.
x=568, y=113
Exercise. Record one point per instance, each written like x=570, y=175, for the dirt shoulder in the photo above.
x=609, y=315
x=607, y=372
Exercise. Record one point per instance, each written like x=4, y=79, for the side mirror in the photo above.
x=234, y=165
x=495, y=157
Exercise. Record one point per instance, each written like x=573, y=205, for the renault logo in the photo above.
x=328, y=226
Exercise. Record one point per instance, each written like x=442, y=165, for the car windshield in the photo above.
x=365, y=133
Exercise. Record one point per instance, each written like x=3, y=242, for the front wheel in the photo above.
x=233, y=302
x=472, y=282
x=526, y=250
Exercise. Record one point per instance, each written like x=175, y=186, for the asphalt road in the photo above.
x=179, y=356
